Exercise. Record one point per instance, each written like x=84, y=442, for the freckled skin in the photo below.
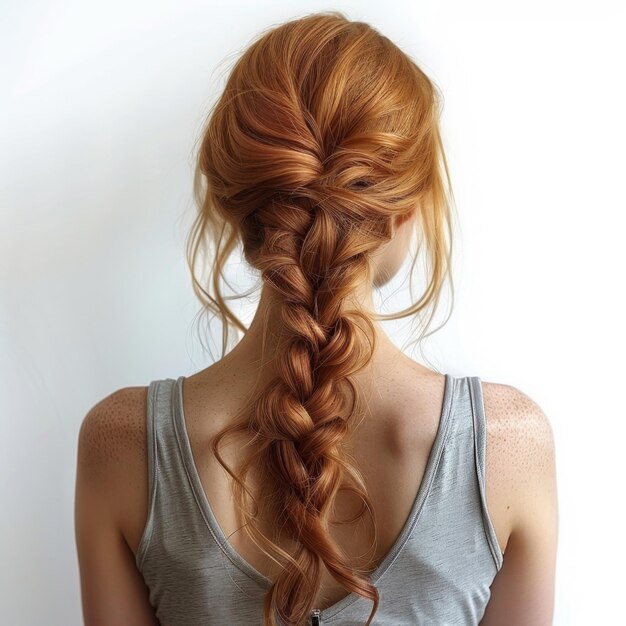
x=521, y=490
x=115, y=431
x=517, y=430
x=111, y=473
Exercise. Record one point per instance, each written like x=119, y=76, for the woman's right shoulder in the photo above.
x=513, y=417
x=520, y=479
x=520, y=451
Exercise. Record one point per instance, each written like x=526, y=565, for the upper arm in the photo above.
x=523, y=590
x=112, y=589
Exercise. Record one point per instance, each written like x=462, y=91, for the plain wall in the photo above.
x=101, y=106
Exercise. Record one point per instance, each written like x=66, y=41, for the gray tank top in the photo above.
x=438, y=571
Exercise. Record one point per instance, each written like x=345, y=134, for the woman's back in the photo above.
x=424, y=434
x=393, y=447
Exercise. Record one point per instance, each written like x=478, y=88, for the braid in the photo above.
x=325, y=133
x=303, y=414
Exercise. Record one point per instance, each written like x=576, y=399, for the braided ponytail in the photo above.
x=313, y=267
x=325, y=133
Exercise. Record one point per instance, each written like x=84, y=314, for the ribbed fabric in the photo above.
x=438, y=572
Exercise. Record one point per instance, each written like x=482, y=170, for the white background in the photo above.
x=101, y=105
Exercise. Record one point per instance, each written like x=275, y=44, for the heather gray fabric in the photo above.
x=438, y=572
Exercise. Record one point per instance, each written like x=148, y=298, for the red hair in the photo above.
x=325, y=132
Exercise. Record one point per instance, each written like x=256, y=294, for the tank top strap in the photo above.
x=168, y=492
x=458, y=495
x=479, y=424
x=456, y=476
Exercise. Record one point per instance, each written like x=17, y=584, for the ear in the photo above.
x=398, y=220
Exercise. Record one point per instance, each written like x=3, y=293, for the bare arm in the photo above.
x=112, y=589
x=522, y=593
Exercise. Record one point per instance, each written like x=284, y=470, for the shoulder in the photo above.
x=520, y=455
x=114, y=426
x=112, y=451
x=519, y=423
x=522, y=493
x=109, y=493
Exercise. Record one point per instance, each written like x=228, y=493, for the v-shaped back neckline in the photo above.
x=184, y=444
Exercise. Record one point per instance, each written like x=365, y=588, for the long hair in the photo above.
x=324, y=134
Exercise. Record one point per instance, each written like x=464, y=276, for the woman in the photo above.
x=322, y=158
